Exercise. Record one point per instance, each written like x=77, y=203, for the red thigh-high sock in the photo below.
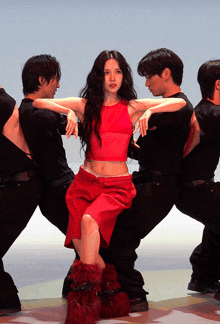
x=83, y=302
x=114, y=303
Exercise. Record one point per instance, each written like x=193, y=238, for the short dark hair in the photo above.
x=43, y=65
x=208, y=73
x=156, y=61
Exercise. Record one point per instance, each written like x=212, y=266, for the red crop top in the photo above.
x=115, y=132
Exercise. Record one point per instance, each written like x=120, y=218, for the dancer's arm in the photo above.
x=160, y=105
x=144, y=108
x=72, y=107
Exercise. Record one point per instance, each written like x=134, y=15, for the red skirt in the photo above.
x=101, y=198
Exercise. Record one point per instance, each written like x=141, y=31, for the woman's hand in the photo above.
x=72, y=126
x=143, y=123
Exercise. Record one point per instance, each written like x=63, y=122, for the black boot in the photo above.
x=9, y=300
x=217, y=293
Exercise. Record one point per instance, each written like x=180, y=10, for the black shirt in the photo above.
x=162, y=149
x=43, y=129
x=200, y=164
x=12, y=159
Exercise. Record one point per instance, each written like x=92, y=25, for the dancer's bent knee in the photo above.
x=88, y=225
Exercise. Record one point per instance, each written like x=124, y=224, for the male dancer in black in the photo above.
x=20, y=193
x=200, y=195
x=159, y=158
x=43, y=130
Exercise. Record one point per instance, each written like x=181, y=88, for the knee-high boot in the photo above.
x=83, y=302
x=114, y=303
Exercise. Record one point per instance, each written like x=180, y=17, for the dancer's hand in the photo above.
x=134, y=144
x=143, y=123
x=72, y=126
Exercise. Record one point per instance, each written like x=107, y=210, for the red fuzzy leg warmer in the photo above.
x=83, y=302
x=114, y=303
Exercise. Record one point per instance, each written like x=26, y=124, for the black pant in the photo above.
x=156, y=195
x=18, y=201
x=53, y=204
x=202, y=202
x=205, y=258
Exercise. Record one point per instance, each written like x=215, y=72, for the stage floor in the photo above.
x=169, y=303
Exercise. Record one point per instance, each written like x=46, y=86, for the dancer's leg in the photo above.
x=88, y=246
x=83, y=301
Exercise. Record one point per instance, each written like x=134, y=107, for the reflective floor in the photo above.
x=169, y=302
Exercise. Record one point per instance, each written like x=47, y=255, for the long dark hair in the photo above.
x=93, y=92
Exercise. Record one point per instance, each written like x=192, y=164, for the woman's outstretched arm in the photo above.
x=72, y=107
x=144, y=108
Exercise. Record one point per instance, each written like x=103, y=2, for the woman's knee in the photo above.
x=88, y=224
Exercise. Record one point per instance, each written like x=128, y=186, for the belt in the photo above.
x=23, y=176
x=63, y=179
x=197, y=182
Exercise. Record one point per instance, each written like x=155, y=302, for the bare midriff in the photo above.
x=107, y=168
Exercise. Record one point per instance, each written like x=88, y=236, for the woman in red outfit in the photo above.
x=108, y=111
